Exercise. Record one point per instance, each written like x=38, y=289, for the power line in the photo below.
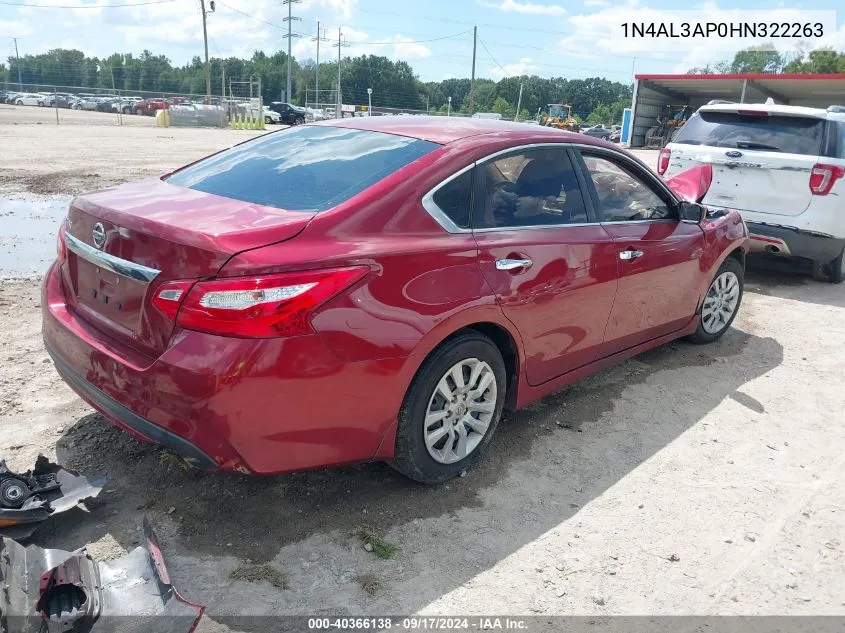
x=84, y=6
x=480, y=41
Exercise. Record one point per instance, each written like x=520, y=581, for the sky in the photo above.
x=573, y=38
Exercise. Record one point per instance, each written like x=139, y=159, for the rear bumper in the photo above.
x=128, y=419
x=780, y=240
x=251, y=405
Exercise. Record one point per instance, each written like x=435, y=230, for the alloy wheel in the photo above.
x=720, y=303
x=460, y=411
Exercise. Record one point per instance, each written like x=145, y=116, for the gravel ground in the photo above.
x=689, y=480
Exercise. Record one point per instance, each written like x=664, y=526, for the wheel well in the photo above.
x=507, y=347
x=739, y=255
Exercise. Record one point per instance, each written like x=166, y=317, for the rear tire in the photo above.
x=440, y=437
x=721, y=303
x=833, y=271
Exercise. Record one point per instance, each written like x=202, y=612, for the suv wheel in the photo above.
x=451, y=409
x=721, y=303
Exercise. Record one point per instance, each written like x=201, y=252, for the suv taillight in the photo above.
x=823, y=177
x=254, y=307
x=663, y=160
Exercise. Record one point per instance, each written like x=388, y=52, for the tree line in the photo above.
x=765, y=59
x=394, y=83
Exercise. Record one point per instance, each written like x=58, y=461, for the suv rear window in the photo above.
x=306, y=168
x=775, y=133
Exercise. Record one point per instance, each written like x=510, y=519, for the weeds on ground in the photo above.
x=171, y=461
x=380, y=547
x=369, y=583
x=256, y=573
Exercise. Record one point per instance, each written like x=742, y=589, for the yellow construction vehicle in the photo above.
x=560, y=116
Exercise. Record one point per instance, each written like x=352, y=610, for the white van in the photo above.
x=782, y=167
x=487, y=115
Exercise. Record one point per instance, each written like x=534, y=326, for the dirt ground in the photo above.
x=689, y=480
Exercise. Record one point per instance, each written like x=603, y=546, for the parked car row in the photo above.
x=93, y=102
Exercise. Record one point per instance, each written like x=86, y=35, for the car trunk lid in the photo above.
x=123, y=243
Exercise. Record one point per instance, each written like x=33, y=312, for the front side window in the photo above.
x=535, y=187
x=307, y=168
x=623, y=197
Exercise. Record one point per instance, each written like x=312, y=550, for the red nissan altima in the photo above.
x=377, y=289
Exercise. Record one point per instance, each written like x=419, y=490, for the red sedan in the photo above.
x=377, y=289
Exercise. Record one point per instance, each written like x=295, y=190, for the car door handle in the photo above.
x=512, y=264
x=630, y=254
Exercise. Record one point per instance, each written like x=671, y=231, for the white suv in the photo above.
x=782, y=167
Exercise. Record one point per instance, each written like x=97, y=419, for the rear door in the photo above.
x=761, y=161
x=657, y=255
x=551, y=266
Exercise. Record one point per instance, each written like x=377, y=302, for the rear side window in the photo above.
x=455, y=198
x=307, y=168
x=775, y=133
x=535, y=187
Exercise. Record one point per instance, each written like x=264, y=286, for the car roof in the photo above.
x=771, y=108
x=444, y=130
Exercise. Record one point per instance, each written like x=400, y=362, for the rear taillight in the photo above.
x=823, y=177
x=663, y=160
x=259, y=307
x=169, y=295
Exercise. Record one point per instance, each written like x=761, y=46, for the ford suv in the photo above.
x=782, y=167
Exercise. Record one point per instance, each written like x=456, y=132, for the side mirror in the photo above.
x=692, y=212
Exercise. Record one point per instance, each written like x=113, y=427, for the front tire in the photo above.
x=451, y=409
x=721, y=303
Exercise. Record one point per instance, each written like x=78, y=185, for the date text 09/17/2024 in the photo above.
x=418, y=623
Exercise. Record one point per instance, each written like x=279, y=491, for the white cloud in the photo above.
x=405, y=48
x=596, y=3
x=16, y=28
x=525, y=66
x=336, y=8
x=396, y=47
x=513, y=6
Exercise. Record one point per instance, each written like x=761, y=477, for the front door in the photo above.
x=551, y=266
x=657, y=255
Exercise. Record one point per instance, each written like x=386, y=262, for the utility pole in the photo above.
x=472, y=78
x=340, y=44
x=518, y=102
x=449, y=107
x=426, y=104
x=317, y=74
x=18, y=64
x=290, y=19
x=369, y=102
x=205, y=41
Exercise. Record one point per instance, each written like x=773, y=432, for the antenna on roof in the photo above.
x=770, y=101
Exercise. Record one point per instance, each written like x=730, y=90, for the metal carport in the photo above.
x=653, y=92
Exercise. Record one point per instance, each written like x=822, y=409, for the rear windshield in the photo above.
x=789, y=134
x=306, y=168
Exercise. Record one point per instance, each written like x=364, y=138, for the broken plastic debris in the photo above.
x=47, y=590
x=27, y=499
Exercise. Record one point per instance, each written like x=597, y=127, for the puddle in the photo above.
x=28, y=226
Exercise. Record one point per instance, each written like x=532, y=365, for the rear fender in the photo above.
x=488, y=313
